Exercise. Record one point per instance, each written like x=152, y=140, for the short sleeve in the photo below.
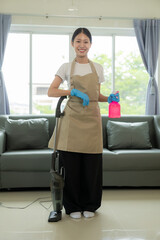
x=62, y=72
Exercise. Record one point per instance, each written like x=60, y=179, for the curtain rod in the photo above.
x=69, y=16
x=75, y=16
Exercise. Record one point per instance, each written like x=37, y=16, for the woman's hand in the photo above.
x=113, y=97
x=83, y=96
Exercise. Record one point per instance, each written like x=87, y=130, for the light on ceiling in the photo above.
x=72, y=7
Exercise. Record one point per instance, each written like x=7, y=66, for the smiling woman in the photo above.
x=80, y=124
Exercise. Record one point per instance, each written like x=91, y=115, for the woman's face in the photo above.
x=81, y=45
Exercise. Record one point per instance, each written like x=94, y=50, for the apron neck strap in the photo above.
x=92, y=67
x=72, y=67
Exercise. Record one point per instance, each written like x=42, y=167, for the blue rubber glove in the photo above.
x=113, y=97
x=83, y=96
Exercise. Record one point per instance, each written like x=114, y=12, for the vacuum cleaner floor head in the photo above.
x=55, y=216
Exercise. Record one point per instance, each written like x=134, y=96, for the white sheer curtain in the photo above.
x=5, y=22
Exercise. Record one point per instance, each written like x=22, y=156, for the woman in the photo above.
x=80, y=131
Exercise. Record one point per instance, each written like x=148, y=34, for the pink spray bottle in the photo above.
x=114, y=109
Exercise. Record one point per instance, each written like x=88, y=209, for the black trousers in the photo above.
x=83, y=181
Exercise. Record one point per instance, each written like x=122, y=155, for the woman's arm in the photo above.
x=102, y=98
x=54, y=90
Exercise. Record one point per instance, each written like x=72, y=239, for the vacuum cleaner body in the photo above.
x=57, y=184
x=57, y=176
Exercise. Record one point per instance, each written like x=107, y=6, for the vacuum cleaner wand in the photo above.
x=57, y=175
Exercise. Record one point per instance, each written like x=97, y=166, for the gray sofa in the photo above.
x=131, y=154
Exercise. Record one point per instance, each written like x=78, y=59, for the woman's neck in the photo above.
x=82, y=60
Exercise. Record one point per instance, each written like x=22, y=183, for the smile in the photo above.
x=81, y=50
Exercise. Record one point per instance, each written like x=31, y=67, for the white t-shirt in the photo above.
x=80, y=69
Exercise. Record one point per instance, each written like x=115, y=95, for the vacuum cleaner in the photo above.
x=57, y=174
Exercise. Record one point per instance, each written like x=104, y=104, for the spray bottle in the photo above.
x=114, y=108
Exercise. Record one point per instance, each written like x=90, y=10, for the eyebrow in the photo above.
x=83, y=39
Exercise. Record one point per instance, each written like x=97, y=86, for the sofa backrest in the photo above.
x=51, y=119
x=157, y=129
x=149, y=119
x=2, y=121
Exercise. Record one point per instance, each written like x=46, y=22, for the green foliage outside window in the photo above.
x=131, y=81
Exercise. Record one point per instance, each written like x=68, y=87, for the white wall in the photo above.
x=86, y=8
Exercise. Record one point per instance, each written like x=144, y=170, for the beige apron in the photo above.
x=80, y=129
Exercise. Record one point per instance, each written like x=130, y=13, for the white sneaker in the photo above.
x=75, y=215
x=88, y=214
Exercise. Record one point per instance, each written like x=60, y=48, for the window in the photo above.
x=48, y=53
x=32, y=59
x=131, y=78
x=16, y=72
x=124, y=71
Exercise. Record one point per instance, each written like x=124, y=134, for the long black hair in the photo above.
x=82, y=30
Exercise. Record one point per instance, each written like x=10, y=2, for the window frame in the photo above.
x=61, y=30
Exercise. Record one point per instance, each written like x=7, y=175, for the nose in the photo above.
x=81, y=44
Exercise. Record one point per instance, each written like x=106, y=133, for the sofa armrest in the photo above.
x=2, y=141
x=157, y=129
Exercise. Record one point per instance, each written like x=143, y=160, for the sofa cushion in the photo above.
x=127, y=135
x=131, y=160
x=27, y=134
x=33, y=160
